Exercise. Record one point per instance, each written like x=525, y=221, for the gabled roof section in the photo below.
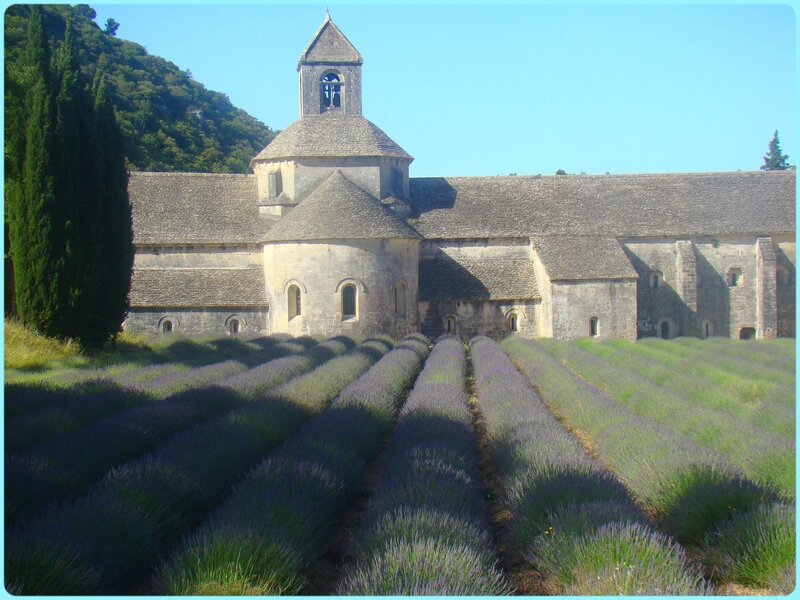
x=195, y=208
x=580, y=258
x=330, y=45
x=339, y=209
x=331, y=135
x=198, y=287
x=668, y=205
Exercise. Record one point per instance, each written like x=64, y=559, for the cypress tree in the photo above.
x=112, y=226
x=36, y=237
x=69, y=218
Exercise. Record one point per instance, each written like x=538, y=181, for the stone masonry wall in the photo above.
x=480, y=317
x=786, y=293
x=322, y=269
x=612, y=302
x=192, y=321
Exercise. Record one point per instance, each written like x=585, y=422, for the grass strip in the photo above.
x=96, y=399
x=691, y=490
x=280, y=518
x=143, y=506
x=426, y=529
x=702, y=385
x=740, y=376
x=765, y=458
x=575, y=523
x=759, y=352
x=67, y=466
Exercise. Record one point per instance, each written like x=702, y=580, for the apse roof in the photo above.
x=339, y=209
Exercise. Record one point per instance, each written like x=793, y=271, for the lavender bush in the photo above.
x=567, y=510
x=426, y=528
x=691, y=490
x=766, y=459
x=287, y=507
x=703, y=385
x=70, y=464
x=164, y=492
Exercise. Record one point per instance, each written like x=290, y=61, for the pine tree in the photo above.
x=775, y=160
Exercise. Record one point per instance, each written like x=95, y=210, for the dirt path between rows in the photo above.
x=520, y=574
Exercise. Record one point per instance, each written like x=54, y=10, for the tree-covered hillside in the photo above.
x=170, y=122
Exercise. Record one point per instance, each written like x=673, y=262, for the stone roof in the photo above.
x=569, y=257
x=329, y=45
x=668, y=205
x=198, y=287
x=331, y=134
x=339, y=209
x=195, y=208
x=448, y=277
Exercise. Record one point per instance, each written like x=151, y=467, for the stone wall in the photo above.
x=479, y=317
x=322, y=269
x=191, y=321
x=197, y=257
x=310, y=86
x=785, y=260
x=611, y=302
x=696, y=296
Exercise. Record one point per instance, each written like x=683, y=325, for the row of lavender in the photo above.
x=269, y=534
x=575, y=523
x=762, y=397
x=103, y=541
x=766, y=458
x=35, y=391
x=63, y=410
x=68, y=465
x=741, y=531
x=426, y=529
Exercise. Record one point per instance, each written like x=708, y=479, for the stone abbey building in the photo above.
x=330, y=235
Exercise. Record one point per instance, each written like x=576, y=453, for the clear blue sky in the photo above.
x=492, y=89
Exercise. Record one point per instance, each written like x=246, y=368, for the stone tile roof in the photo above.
x=198, y=287
x=667, y=205
x=195, y=208
x=331, y=135
x=329, y=45
x=339, y=209
x=568, y=257
x=466, y=278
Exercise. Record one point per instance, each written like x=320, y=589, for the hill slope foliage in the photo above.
x=170, y=122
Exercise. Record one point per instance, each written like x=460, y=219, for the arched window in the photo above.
x=233, y=326
x=293, y=298
x=450, y=324
x=735, y=278
x=706, y=328
x=331, y=91
x=782, y=275
x=747, y=333
x=593, y=327
x=513, y=322
x=348, y=301
x=400, y=300
x=656, y=279
x=166, y=326
x=665, y=329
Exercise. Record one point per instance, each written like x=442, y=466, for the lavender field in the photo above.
x=280, y=466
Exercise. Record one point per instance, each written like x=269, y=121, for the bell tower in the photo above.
x=330, y=74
